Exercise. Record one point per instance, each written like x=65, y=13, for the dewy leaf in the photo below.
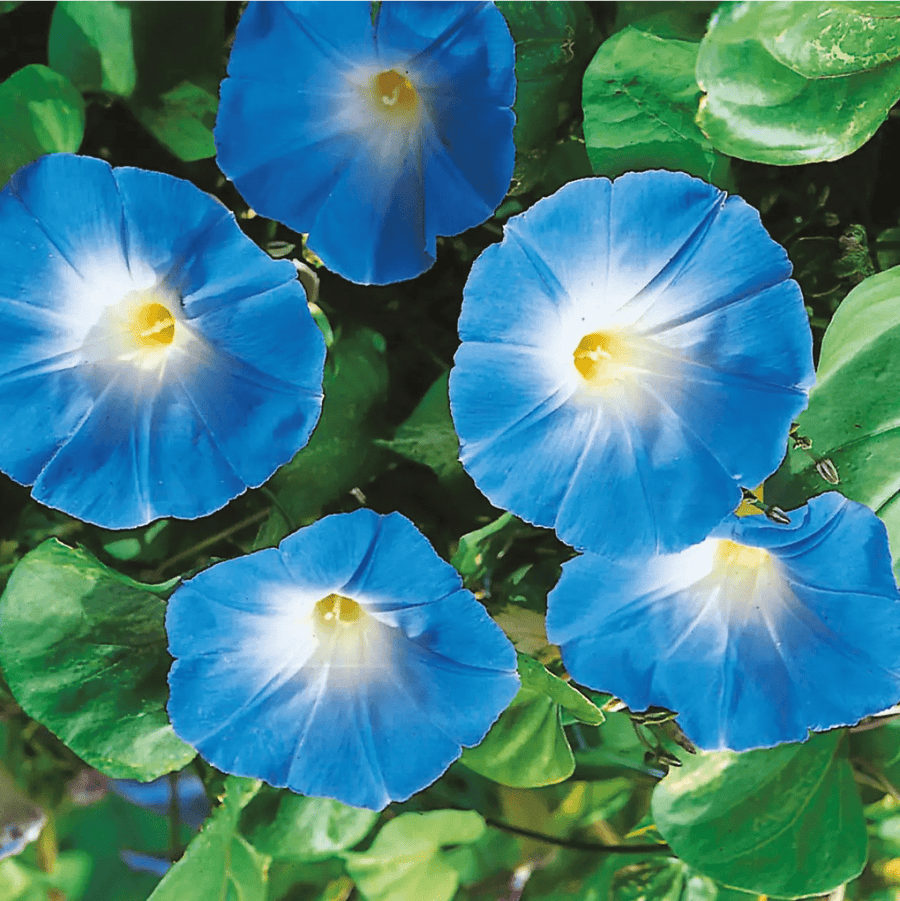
x=785, y=821
x=83, y=650
x=91, y=44
x=527, y=746
x=787, y=84
x=219, y=864
x=405, y=862
x=640, y=98
x=40, y=112
x=313, y=828
x=853, y=418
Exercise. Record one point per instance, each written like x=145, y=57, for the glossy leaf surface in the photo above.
x=83, y=650
x=786, y=821
x=785, y=86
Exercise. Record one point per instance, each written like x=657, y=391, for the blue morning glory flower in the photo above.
x=153, y=361
x=347, y=663
x=632, y=352
x=754, y=636
x=374, y=137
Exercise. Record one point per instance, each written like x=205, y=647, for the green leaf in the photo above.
x=823, y=39
x=149, y=544
x=478, y=551
x=40, y=112
x=219, y=864
x=786, y=821
x=853, y=412
x=342, y=453
x=527, y=746
x=83, y=650
x=616, y=750
x=554, y=42
x=164, y=59
x=91, y=44
x=313, y=828
x=640, y=98
x=428, y=435
x=177, y=91
x=887, y=248
x=685, y=19
x=493, y=852
x=69, y=879
x=790, y=83
x=182, y=119
x=661, y=880
x=405, y=862
x=536, y=677
x=93, y=831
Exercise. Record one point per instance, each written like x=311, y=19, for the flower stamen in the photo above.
x=335, y=610
x=153, y=326
x=601, y=357
x=736, y=557
x=394, y=93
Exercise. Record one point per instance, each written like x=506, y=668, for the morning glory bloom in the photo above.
x=347, y=663
x=153, y=360
x=372, y=136
x=632, y=352
x=754, y=636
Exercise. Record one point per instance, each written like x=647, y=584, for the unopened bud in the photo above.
x=828, y=471
x=776, y=514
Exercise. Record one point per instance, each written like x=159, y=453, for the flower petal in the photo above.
x=118, y=428
x=382, y=240
x=40, y=411
x=263, y=686
x=138, y=455
x=76, y=203
x=705, y=364
x=806, y=637
x=306, y=141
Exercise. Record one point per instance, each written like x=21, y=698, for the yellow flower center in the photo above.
x=748, y=579
x=394, y=93
x=152, y=326
x=600, y=358
x=736, y=557
x=335, y=610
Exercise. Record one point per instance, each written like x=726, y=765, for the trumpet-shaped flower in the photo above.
x=754, y=636
x=153, y=360
x=373, y=136
x=632, y=352
x=347, y=663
